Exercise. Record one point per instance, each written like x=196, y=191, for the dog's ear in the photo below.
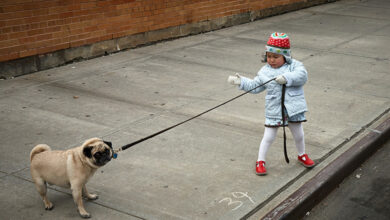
x=108, y=143
x=87, y=151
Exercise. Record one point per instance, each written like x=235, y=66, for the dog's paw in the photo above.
x=92, y=196
x=49, y=206
x=85, y=215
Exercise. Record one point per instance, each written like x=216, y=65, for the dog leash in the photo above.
x=284, y=121
x=115, y=155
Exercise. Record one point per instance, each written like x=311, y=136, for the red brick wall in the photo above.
x=31, y=27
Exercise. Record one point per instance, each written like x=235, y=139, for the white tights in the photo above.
x=270, y=134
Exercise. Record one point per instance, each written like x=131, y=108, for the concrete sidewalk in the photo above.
x=203, y=169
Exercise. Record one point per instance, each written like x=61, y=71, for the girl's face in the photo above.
x=275, y=60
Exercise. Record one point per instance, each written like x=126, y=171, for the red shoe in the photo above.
x=260, y=168
x=306, y=161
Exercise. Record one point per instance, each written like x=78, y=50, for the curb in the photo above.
x=317, y=188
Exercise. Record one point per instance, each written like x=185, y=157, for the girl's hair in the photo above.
x=264, y=60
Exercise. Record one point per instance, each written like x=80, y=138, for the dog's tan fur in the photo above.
x=69, y=169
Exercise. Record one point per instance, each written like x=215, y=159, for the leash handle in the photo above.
x=284, y=121
x=196, y=116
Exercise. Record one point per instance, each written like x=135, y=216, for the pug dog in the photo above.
x=69, y=169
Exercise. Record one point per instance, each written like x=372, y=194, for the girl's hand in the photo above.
x=281, y=80
x=234, y=80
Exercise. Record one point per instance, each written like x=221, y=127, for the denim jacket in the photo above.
x=296, y=76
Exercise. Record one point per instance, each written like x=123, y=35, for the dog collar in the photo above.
x=115, y=153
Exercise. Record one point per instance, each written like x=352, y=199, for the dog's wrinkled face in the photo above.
x=99, y=152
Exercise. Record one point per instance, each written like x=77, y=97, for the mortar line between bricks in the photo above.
x=94, y=202
x=261, y=205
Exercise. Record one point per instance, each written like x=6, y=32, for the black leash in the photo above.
x=196, y=116
x=284, y=120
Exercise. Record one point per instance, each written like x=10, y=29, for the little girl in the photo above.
x=293, y=74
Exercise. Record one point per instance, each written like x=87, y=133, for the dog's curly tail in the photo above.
x=38, y=149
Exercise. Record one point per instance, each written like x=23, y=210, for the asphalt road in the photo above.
x=363, y=195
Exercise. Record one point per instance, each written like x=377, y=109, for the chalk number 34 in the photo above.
x=236, y=202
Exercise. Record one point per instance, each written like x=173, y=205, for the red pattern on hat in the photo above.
x=280, y=40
